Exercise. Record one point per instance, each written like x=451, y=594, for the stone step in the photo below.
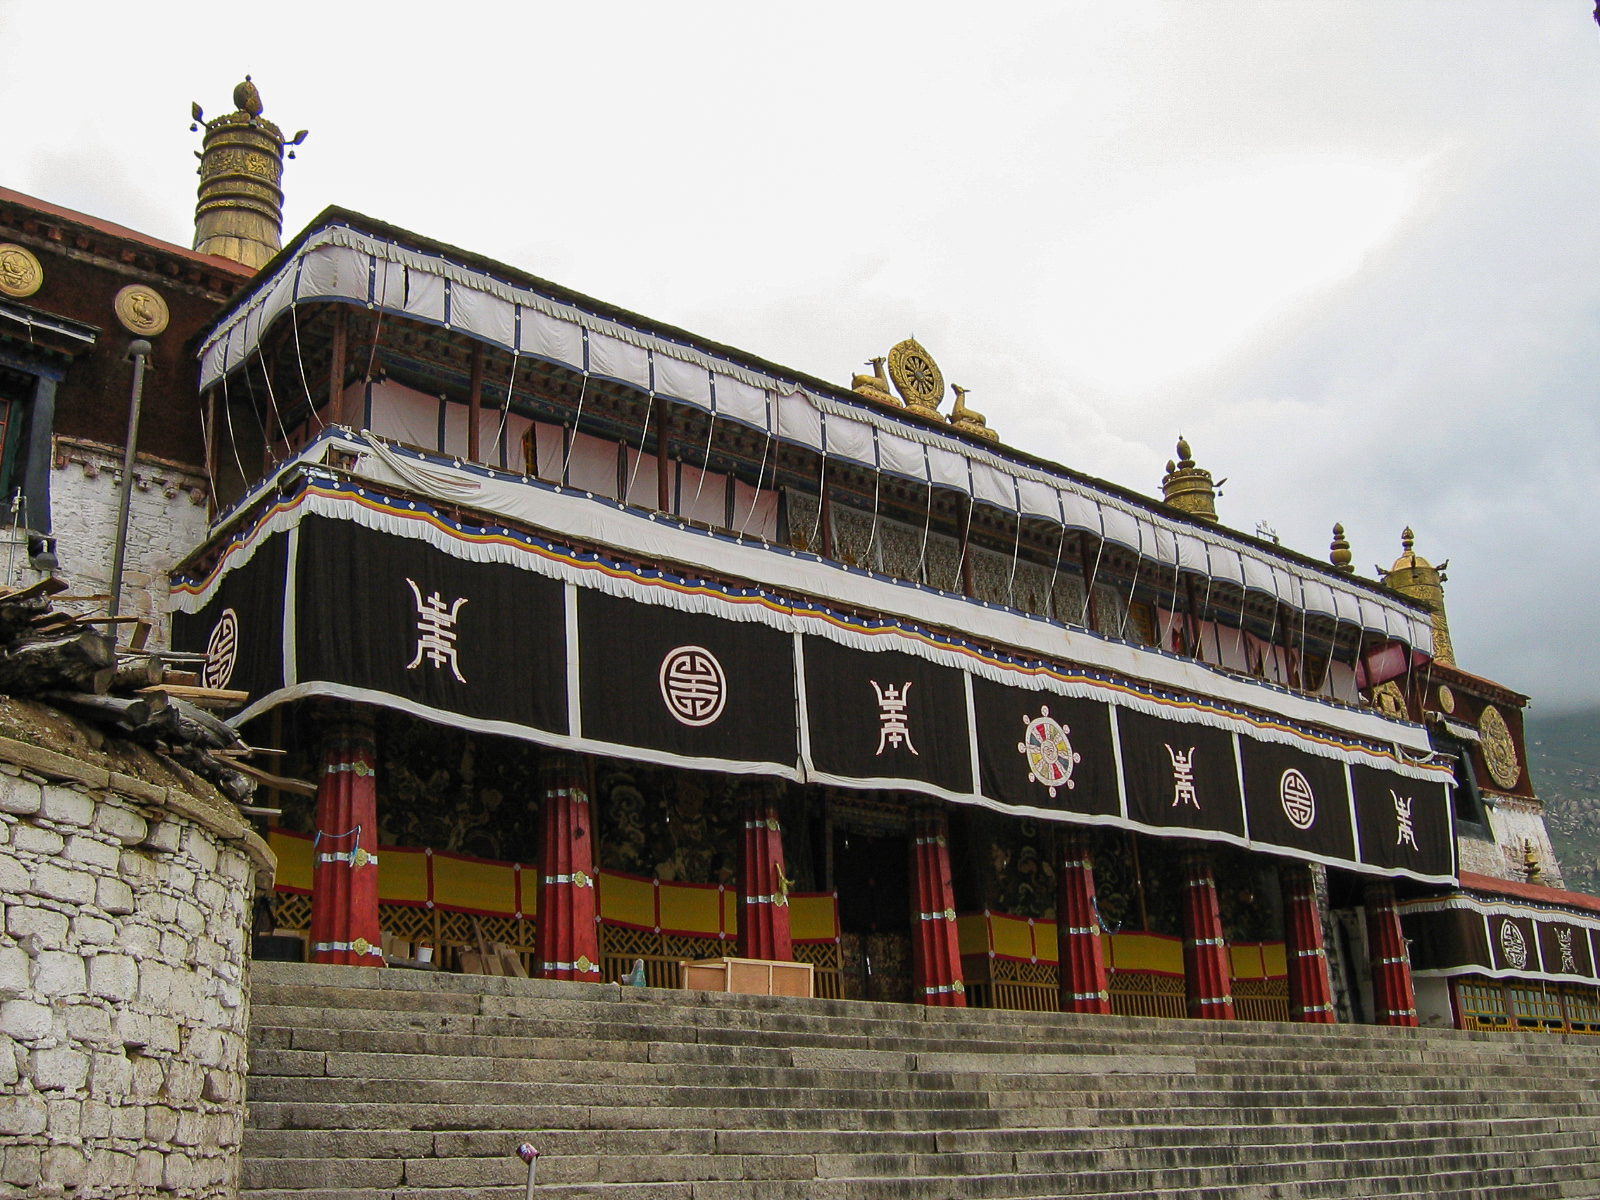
x=416, y=1087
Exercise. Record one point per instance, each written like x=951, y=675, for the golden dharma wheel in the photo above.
x=1499, y=748
x=915, y=375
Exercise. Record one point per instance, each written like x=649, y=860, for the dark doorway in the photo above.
x=872, y=874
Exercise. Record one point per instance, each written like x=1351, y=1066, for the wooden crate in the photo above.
x=749, y=976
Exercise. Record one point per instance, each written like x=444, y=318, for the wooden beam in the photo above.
x=336, y=366
x=475, y=407
x=211, y=451
x=663, y=463
x=1087, y=562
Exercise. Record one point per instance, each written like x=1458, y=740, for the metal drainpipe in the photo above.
x=139, y=351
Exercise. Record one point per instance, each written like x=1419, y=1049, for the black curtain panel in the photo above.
x=396, y=615
x=1297, y=800
x=1564, y=947
x=887, y=715
x=240, y=630
x=1180, y=775
x=1044, y=750
x=1451, y=937
x=1515, y=943
x=1405, y=823
x=686, y=683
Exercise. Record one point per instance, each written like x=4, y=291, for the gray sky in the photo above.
x=1349, y=249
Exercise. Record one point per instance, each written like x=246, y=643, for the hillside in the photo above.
x=1564, y=756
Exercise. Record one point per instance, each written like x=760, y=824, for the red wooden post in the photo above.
x=763, y=888
x=1310, y=987
x=569, y=932
x=1393, y=993
x=1205, y=951
x=935, y=948
x=344, y=883
x=1084, y=983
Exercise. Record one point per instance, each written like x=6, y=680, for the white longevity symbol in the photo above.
x=437, y=626
x=1183, y=777
x=893, y=729
x=1402, y=813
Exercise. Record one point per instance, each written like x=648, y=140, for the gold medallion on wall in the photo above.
x=141, y=310
x=20, y=272
x=1447, y=698
x=1499, y=749
x=916, y=376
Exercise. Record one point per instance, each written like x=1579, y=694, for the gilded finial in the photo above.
x=240, y=213
x=969, y=420
x=1189, y=488
x=1416, y=577
x=1339, y=551
x=247, y=97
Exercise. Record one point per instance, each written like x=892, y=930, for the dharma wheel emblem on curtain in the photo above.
x=1050, y=755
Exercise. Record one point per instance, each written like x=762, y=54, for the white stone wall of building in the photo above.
x=1515, y=823
x=124, y=985
x=168, y=516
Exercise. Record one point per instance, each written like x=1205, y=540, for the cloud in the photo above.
x=1348, y=249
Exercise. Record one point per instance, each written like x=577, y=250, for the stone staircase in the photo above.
x=369, y=1084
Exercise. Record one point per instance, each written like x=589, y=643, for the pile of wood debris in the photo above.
x=74, y=663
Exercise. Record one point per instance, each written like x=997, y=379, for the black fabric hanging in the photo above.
x=1041, y=749
x=1296, y=800
x=1565, y=948
x=397, y=615
x=1180, y=775
x=1448, y=938
x=1405, y=822
x=1515, y=943
x=687, y=683
x=886, y=716
x=242, y=624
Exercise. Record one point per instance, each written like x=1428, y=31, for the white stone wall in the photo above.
x=167, y=519
x=1515, y=823
x=123, y=984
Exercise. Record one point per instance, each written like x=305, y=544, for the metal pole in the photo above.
x=529, y=1155
x=139, y=351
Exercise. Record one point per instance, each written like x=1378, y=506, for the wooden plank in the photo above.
x=193, y=694
x=298, y=786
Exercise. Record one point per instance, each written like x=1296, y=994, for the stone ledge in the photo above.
x=208, y=815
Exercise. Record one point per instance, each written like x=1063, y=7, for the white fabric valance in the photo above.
x=340, y=263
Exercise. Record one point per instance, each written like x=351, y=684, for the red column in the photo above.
x=763, y=888
x=1392, y=992
x=1310, y=987
x=1205, y=950
x=344, y=880
x=935, y=948
x=1084, y=985
x=569, y=930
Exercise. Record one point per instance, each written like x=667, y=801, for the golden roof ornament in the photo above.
x=969, y=420
x=1415, y=577
x=240, y=211
x=1189, y=488
x=21, y=274
x=916, y=377
x=1339, y=551
x=874, y=386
